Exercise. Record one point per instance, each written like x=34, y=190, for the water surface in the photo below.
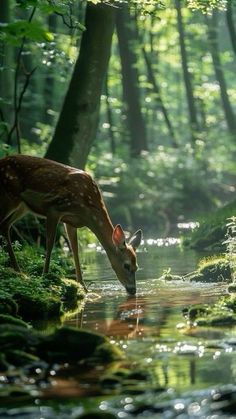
x=151, y=328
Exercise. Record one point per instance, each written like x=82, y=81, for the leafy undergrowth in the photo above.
x=211, y=233
x=32, y=295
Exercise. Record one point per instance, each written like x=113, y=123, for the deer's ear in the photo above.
x=118, y=237
x=135, y=240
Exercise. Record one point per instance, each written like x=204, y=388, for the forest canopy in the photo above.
x=141, y=93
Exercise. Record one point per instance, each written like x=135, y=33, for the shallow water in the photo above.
x=185, y=366
x=151, y=328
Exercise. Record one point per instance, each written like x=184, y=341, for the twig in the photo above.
x=18, y=100
x=70, y=25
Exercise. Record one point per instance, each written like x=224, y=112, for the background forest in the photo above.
x=141, y=93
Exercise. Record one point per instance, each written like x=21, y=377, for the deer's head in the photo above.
x=125, y=262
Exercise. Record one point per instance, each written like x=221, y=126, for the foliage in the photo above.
x=207, y=6
x=167, y=185
x=212, y=230
x=231, y=245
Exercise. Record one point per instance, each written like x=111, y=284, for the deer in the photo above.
x=61, y=193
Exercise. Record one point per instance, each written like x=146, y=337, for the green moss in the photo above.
x=69, y=343
x=20, y=358
x=232, y=288
x=33, y=296
x=66, y=344
x=7, y=319
x=94, y=414
x=214, y=269
x=222, y=313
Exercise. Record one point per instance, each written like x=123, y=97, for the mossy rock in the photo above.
x=214, y=269
x=196, y=311
x=228, y=319
x=171, y=277
x=94, y=414
x=7, y=319
x=222, y=313
x=37, y=297
x=20, y=358
x=230, y=302
x=66, y=344
x=70, y=344
x=13, y=337
x=4, y=365
x=232, y=288
x=104, y=354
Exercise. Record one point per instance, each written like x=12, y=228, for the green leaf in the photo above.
x=34, y=31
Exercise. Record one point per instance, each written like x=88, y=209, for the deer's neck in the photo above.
x=103, y=230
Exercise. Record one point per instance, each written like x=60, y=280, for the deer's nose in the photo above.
x=131, y=290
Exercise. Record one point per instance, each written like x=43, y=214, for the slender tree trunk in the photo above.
x=157, y=90
x=49, y=84
x=77, y=124
x=110, y=119
x=135, y=121
x=230, y=23
x=215, y=53
x=6, y=78
x=187, y=76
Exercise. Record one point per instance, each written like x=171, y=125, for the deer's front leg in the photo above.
x=51, y=227
x=72, y=236
x=5, y=231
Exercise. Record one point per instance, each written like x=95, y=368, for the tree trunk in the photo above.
x=78, y=120
x=230, y=23
x=186, y=74
x=110, y=120
x=157, y=90
x=135, y=121
x=6, y=78
x=49, y=83
x=215, y=53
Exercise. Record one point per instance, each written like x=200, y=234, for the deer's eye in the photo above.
x=127, y=266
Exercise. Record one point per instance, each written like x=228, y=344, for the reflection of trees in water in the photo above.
x=149, y=323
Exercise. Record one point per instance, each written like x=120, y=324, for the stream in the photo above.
x=178, y=371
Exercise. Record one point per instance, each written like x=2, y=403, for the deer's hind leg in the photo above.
x=72, y=236
x=8, y=217
x=51, y=228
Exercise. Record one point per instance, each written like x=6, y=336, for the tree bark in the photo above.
x=110, y=120
x=230, y=23
x=215, y=53
x=157, y=90
x=77, y=124
x=186, y=74
x=6, y=78
x=49, y=83
x=135, y=121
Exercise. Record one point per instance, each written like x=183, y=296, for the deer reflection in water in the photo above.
x=134, y=320
x=129, y=320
